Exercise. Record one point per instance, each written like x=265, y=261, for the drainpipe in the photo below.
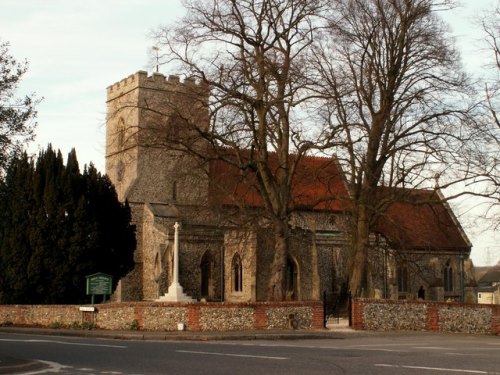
x=222, y=281
x=385, y=274
x=462, y=286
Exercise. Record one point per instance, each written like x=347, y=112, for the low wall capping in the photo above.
x=165, y=316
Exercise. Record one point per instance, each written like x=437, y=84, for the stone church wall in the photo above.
x=423, y=268
x=157, y=251
x=264, y=262
x=301, y=251
x=243, y=244
x=326, y=268
x=198, y=244
x=300, y=256
x=130, y=287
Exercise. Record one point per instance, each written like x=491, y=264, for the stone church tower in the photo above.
x=145, y=115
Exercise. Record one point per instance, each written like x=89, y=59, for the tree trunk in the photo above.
x=316, y=283
x=275, y=288
x=359, y=246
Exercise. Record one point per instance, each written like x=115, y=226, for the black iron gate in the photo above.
x=336, y=305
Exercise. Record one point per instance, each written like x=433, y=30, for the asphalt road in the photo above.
x=419, y=353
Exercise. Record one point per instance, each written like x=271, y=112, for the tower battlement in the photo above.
x=156, y=81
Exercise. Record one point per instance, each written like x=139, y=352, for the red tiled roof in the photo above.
x=318, y=184
x=414, y=221
x=420, y=221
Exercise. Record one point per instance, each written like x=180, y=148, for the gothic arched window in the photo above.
x=448, y=277
x=237, y=273
x=402, y=274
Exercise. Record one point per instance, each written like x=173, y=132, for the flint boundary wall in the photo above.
x=390, y=315
x=156, y=316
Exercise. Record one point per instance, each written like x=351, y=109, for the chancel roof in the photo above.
x=419, y=219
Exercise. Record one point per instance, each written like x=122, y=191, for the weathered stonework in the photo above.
x=465, y=319
x=387, y=315
x=290, y=317
x=226, y=319
x=244, y=245
x=396, y=317
x=120, y=319
x=39, y=315
x=157, y=316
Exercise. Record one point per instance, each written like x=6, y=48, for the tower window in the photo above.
x=121, y=133
x=174, y=191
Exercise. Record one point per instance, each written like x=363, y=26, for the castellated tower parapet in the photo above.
x=156, y=81
x=148, y=118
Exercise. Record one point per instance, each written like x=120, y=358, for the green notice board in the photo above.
x=98, y=284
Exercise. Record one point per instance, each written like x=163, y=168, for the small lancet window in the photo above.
x=448, y=277
x=237, y=273
x=402, y=274
x=174, y=191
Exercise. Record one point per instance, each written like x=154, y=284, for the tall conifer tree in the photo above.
x=57, y=226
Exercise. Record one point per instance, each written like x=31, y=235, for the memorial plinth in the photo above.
x=175, y=291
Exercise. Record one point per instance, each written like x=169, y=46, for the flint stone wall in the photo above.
x=39, y=315
x=390, y=315
x=395, y=317
x=156, y=316
x=227, y=319
x=465, y=320
x=284, y=317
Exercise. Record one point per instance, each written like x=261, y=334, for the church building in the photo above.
x=420, y=249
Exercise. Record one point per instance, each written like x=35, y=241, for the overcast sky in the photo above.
x=76, y=49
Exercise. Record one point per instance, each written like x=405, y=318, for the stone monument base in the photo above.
x=175, y=294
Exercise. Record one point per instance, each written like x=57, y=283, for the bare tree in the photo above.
x=397, y=100
x=16, y=113
x=477, y=163
x=486, y=158
x=254, y=56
